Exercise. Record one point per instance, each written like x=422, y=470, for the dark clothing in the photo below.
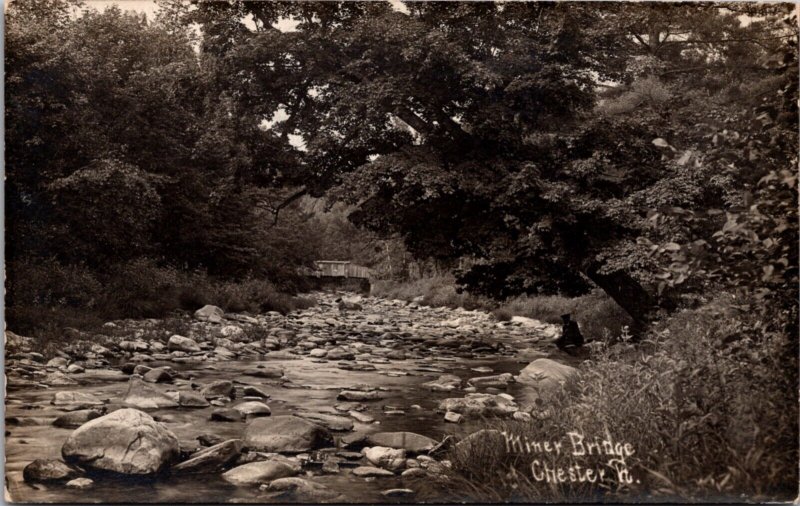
x=570, y=335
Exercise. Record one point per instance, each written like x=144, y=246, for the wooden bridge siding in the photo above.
x=357, y=271
x=342, y=270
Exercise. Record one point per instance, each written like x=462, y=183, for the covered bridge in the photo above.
x=341, y=274
x=340, y=269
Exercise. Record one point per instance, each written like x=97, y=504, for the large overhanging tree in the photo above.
x=470, y=128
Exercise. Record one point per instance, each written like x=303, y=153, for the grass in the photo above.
x=707, y=421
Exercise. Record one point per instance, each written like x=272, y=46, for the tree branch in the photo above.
x=291, y=198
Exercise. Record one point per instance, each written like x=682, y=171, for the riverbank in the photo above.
x=598, y=315
x=369, y=371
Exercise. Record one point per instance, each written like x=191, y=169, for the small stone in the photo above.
x=414, y=472
x=398, y=492
x=180, y=343
x=361, y=417
x=356, y=395
x=80, y=483
x=370, y=471
x=452, y=417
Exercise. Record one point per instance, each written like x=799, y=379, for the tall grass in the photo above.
x=708, y=421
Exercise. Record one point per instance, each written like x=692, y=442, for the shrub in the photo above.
x=708, y=420
x=45, y=296
x=502, y=315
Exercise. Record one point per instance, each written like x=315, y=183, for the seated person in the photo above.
x=571, y=336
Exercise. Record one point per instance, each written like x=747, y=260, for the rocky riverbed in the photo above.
x=352, y=400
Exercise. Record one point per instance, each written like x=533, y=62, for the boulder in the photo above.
x=409, y=441
x=211, y=459
x=75, y=369
x=480, y=405
x=546, y=375
x=209, y=313
x=158, y=375
x=217, y=389
x=188, y=399
x=286, y=433
x=393, y=459
x=180, y=343
x=226, y=415
x=371, y=472
x=49, y=470
x=253, y=408
x=496, y=381
x=445, y=383
x=339, y=354
x=251, y=391
x=358, y=395
x=271, y=372
x=133, y=346
x=75, y=399
x=318, y=353
x=231, y=331
x=143, y=396
x=299, y=490
x=57, y=362
x=256, y=473
x=330, y=422
x=126, y=441
x=361, y=417
x=77, y=418
x=58, y=379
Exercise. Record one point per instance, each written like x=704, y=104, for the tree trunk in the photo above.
x=629, y=294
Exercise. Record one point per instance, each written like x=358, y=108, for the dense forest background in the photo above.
x=635, y=164
x=529, y=149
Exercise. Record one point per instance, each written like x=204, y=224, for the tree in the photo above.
x=470, y=129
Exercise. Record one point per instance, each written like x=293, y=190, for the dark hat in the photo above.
x=565, y=316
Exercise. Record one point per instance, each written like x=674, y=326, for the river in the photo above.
x=423, y=343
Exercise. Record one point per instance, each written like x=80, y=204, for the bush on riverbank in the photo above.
x=597, y=315
x=709, y=419
x=45, y=297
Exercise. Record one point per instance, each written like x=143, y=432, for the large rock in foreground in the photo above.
x=126, y=441
x=286, y=433
x=546, y=375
